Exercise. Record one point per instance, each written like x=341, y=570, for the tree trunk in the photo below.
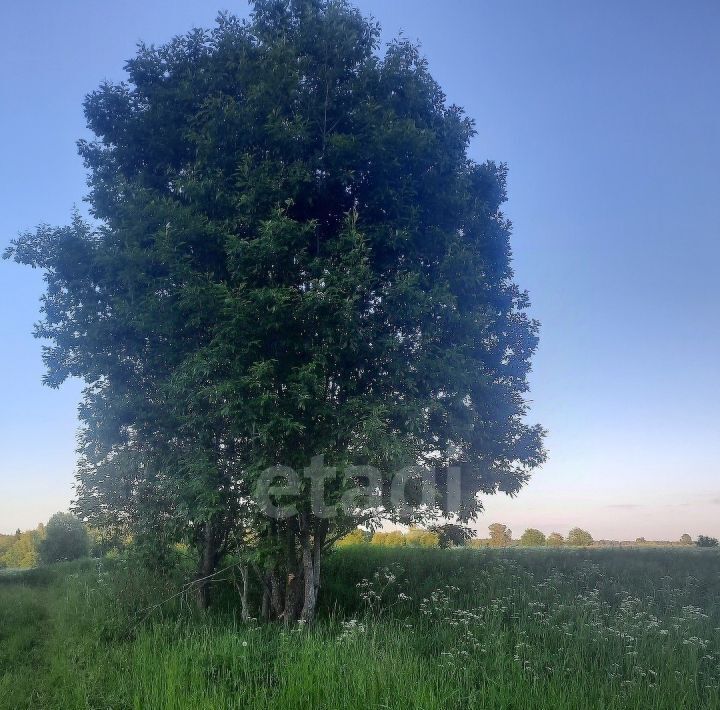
x=266, y=604
x=277, y=593
x=293, y=596
x=207, y=567
x=310, y=596
x=265, y=607
x=311, y=557
x=291, y=588
x=245, y=593
x=293, y=580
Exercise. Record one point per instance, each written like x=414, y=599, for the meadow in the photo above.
x=399, y=628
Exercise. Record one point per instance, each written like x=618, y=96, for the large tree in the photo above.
x=291, y=255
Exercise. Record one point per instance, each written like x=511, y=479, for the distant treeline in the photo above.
x=22, y=548
x=452, y=535
x=65, y=537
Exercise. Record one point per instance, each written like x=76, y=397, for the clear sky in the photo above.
x=608, y=114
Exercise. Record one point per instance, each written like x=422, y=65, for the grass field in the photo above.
x=399, y=628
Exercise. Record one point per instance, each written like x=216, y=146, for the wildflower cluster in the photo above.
x=547, y=624
x=383, y=590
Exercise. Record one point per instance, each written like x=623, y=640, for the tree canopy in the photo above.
x=555, y=539
x=707, y=541
x=532, y=538
x=290, y=255
x=452, y=535
x=500, y=535
x=65, y=539
x=21, y=549
x=578, y=537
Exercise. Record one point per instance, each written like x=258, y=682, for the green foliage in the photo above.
x=555, y=540
x=356, y=537
x=394, y=538
x=478, y=543
x=66, y=539
x=292, y=255
x=107, y=540
x=21, y=550
x=685, y=539
x=706, y=541
x=532, y=538
x=500, y=535
x=579, y=538
x=452, y=535
x=416, y=537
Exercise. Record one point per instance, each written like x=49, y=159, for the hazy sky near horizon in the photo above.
x=608, y=114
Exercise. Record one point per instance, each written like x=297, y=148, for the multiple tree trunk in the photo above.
x=292, y=584
x=289, y=582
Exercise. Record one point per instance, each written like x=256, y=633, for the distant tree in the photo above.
x=578, y=537
x=5, y=543
x=417, y=537
x=478, y=543
x=532, y=538
x=21, y=549
x=685, y=539
x=389, y=539
x=355, y=537
x=500, y=535
x=452, y=535
x=640, y=540
x=65, y=539
x=705, y=541
x=555, y=540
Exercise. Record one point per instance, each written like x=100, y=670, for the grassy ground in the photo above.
x=399, y=629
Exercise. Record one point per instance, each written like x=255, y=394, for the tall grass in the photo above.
x=399, y=628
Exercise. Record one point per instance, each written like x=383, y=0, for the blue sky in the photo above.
x=607, y=114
